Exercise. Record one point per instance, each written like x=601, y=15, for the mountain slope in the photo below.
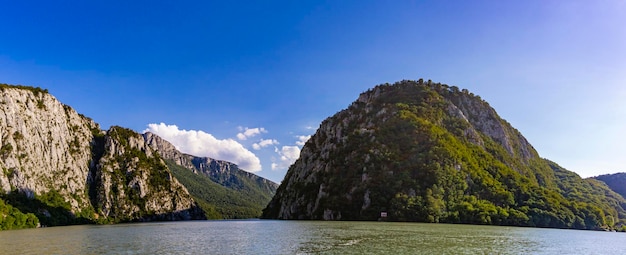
x=59, y=165
x=134, y=183
x=594, y=192
x=617, y=182
x=424, y=151
x=220, y=187
x=217, y=201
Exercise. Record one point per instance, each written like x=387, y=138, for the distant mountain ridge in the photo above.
x=220, y=171
x=617, y=182
x=246, y=191
x=429, y=152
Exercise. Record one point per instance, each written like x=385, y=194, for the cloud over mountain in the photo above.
x=200, y=143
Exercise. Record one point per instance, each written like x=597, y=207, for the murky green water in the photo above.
x=306, y=237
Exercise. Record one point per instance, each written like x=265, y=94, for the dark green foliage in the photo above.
x=13, y=218
x=617, y=185
x=18, y=136
x=617, y=182
x=6, y=149
x=247, y=184
x=41, y=105
x=74, y=146
x=49, y=208
x=217, y=201
x=35, y=90
x=424, y=163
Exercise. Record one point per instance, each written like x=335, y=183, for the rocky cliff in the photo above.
x=56, y=160
x=41, y=140
x=424, y=151
x=133, y=182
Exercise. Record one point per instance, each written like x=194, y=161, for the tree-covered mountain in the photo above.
x=429, y=152
x=59, y=167
x=617, y=182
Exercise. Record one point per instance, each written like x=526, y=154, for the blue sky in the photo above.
x=248, y=75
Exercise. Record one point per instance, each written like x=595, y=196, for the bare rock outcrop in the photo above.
x=49, y=151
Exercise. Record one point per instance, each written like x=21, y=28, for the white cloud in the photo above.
x=287, y=155
x=249, y=132
x=302, y=139
x=264, y=143
x=200, y=143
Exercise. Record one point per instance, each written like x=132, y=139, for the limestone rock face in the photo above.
x=167, y=150
x=134, y=182
x=46, y=147
x=484, y=119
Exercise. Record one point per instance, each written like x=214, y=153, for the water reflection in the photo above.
x=306, y=237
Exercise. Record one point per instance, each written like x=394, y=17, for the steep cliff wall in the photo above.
x=134, y=183
x=45, y=145
x=61, y=161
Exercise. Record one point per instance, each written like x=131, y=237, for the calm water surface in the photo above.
x=306, y=237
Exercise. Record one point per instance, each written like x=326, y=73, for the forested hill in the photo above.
x=429, y=152
x=617, y=182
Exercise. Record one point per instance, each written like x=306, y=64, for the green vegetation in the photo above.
x=6, y=149
x=35, y=90
x=74, y=146
x=18, y=136
x=50, y=208
x=420, y=161
x=611, y=188
x=217, y=201
x=249, y=185
x=13, y=218
x=617, y=182
x=40, y=104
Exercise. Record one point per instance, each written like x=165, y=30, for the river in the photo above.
x=306, y=237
